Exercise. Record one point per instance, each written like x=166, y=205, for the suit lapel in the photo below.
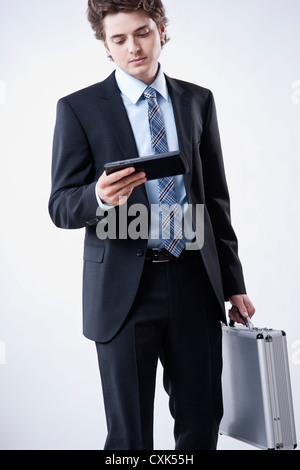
x=116, y=115
x=183, y=119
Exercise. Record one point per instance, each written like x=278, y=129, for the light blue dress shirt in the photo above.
x=136, y=107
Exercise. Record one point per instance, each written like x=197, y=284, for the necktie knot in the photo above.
x=150, y=93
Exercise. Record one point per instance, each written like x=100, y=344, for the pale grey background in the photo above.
x=247, y=52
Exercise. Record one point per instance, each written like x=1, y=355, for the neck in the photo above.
x=149, y=78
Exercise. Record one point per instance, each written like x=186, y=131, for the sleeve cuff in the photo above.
x=104, y=207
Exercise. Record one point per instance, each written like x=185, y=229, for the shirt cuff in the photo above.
x=103, y=207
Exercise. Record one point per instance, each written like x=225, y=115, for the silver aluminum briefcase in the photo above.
x=258, y=406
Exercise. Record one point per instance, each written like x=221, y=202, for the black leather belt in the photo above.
x=161, y=255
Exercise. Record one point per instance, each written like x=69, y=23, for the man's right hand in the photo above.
x=116, y=188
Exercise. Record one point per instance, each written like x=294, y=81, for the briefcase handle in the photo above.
x=247, y=320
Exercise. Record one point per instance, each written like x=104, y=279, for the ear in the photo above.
x=162, y=31
x=105, y=45
x=109, y=56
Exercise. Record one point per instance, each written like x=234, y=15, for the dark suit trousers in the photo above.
x=175, y=319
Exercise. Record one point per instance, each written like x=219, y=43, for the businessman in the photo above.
x=149, y=298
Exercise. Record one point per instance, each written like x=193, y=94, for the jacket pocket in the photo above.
x=93, y=253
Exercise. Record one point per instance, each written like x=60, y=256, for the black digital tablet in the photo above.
x=155, y=166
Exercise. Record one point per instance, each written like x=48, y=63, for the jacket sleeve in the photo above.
x=72, y=203
x=218, y=204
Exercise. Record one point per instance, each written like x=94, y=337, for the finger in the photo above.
x=124, y=184
x=251, y=310
x=131, y=181
x=111, y=188
x=124, y=187
x=241, y=308
x=249, y=306
x=117, y=176
x=238, y=319
x=235, y=315
x=123, y=199
x=117, y=195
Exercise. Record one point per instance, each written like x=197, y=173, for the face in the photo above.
x=134, y=42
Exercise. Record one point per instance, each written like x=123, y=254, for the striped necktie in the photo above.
x=171, y=210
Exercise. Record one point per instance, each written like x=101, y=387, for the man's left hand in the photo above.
x=242, y=306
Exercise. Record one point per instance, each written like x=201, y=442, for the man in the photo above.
x=145, y=299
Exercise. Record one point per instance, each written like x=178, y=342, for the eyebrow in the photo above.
x=136, y=31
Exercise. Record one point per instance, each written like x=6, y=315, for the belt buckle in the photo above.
x=156, y=252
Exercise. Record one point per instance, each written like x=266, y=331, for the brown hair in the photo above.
x=99, y=9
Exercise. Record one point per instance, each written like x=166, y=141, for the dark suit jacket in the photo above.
x=92, y=128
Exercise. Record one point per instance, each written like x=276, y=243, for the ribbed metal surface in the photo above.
x=256, y=389
x=281, y=382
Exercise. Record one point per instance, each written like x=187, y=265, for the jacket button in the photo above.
x=140, y=253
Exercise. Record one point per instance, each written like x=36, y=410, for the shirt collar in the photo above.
x=134, y=88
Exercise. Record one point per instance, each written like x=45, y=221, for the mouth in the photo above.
x=138, y=61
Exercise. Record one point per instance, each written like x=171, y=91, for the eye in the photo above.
x=143, y=35
x=119, y=41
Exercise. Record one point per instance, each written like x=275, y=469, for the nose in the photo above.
x=134, y=46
